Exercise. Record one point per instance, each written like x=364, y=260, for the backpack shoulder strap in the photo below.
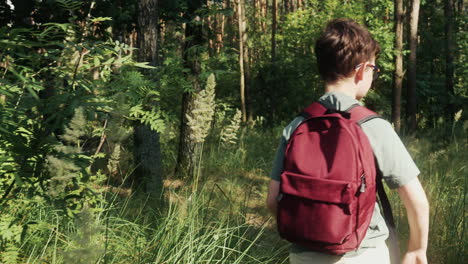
x=358, y=113
x=392, y=242
x=314, y=109
x=361, y=114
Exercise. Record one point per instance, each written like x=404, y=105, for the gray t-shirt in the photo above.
x=394, y=161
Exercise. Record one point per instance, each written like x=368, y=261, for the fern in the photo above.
x=10, y=237
x=61, y=166
x=75, y=129
x=85, y=243
x=11, y=254
x=70, y=5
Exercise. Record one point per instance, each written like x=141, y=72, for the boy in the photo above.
x=346, y=54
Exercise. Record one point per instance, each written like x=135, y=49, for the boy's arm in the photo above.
x=417, y=209
x=273, y=191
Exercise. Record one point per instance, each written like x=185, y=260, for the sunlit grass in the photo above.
x=224, y=220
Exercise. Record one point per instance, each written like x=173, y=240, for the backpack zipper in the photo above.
x=363, y=183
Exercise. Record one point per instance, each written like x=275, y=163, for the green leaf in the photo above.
x=144, y=65
x=100, y=19
x=19, y=182
x=97, y=61
x=109, y=61
x=123, y=59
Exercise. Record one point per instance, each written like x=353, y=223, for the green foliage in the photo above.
x=85, y=243
x=10, y=237
x=135, y=98
x=70, y=94
x=68, y=168
x=284, y=88
x=52, y=80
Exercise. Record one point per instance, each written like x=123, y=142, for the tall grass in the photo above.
x=442, y=157
x=192, y=229
x=224, y=219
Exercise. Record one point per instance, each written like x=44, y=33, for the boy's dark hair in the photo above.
x=341, y=47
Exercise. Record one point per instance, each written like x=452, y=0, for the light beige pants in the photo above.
x=378, y=255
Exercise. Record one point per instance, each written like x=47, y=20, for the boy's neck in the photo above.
x=346, y=87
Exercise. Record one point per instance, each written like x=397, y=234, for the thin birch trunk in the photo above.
x=398, y=74
x=246, y=60
x=241, y=60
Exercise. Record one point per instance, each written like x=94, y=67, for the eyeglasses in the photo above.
x=375, y=69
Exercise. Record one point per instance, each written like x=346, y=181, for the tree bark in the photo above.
x=240, y=20
x=412, y=102
x=264, y=4
x=220, y=20
x=460, y=5
x=147, y=151
x=273, y=30
x=186, y=156
x=284, y=7
x=148, y=31
x=449, y=48
x=247, y=73
x=398, y=74
x=272, y=85
x=244, y=64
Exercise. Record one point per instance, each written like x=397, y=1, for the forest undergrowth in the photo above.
x=89, y=113
x=220, y=216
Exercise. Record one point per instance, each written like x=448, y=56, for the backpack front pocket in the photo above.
x=315, y=210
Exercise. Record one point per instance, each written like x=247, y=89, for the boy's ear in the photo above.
x=359, y=73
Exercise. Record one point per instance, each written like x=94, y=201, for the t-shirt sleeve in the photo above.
x=394, y=161
x=277, y=168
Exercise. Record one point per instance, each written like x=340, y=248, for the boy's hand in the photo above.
x=415, y=257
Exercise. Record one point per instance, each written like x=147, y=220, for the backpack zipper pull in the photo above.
x=279, y=197
x=363, y=183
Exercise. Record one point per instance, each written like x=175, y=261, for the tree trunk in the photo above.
x=186, y=156
x=245, y=54
x=272, y=82
x=210, y=25
x=412, y=103
x=220, y=20
x=264, y=4
x=294, y=5
x=240, y=19
x=273, y=30
x=229, y=23
x=147, y=151
x=460, y=5
x=449, y=48
x=398, y=74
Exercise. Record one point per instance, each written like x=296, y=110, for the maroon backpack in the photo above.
x=328, y=184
